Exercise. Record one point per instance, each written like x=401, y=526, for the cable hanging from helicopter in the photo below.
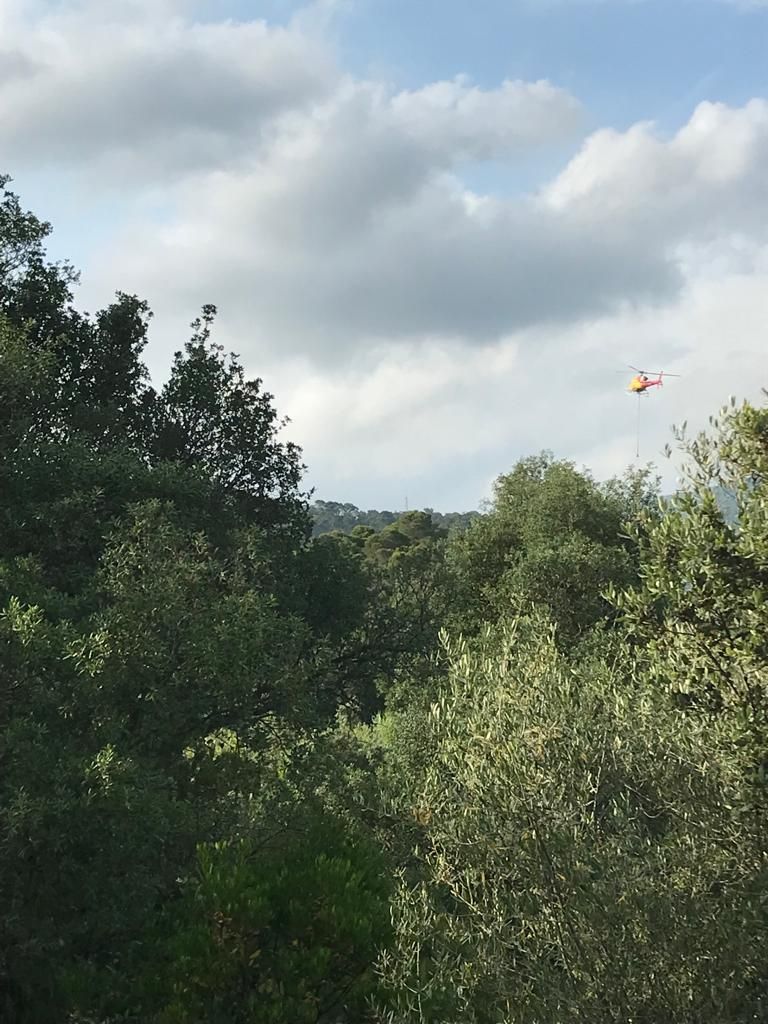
x=640, y=384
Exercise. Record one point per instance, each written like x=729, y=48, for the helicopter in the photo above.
x=644, y=380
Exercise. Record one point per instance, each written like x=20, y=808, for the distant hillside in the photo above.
x=334, y=515
x=328, y=516
x=726, y=502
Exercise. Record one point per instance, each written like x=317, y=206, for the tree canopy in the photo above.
x=268, y=760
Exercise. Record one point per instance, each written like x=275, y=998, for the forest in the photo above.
x=509, y=768
x=330, y=516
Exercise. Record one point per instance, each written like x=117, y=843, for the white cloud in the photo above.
x=352, y=227
x=439, y=422
x=419, y=334
x=482, y=124
x=146, y=93
x=707, y=178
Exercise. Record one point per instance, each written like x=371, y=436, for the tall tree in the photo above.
x=553, y=538
x=150, y=597
x=699, y=614
x=211, y=417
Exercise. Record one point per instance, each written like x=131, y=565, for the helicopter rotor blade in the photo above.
x=650, y=373
x=658, y=373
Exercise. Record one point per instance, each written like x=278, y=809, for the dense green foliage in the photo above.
x=554, y=538
x=267, y=761
x=586, y=851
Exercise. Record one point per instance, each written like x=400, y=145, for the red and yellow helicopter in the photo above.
x=644, y=380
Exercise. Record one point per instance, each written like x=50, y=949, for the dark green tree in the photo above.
x=210, y=417
x=152, y=596
x=287, y=929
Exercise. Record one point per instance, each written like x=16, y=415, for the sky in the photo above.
x=438, y=230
